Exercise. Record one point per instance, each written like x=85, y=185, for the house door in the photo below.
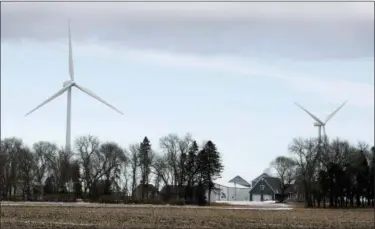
x=267, y=197
x=256, y=197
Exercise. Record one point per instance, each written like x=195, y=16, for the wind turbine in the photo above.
x=320, y=124
x=67, y=86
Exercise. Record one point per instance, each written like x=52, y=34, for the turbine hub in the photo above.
x=317, y=124
x=66, y=83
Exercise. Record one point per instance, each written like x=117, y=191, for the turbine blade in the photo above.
x=92, y=94
x=57, y=94
x=71, y=67
x=324, y=131
x=309, y=113
x=335, y=111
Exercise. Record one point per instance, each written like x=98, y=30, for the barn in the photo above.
x=265, y=188
x=237, y=189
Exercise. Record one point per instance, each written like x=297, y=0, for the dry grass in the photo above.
x=78, y=217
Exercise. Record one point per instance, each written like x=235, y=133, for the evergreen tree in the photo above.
x=191, y=169
x=210, y=166
x=145, y=160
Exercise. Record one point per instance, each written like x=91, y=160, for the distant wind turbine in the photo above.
x=320, y=124
x=67, y=86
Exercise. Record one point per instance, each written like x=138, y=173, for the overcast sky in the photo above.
x=226, y=72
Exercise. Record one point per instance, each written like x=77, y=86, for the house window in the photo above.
x=261, y=187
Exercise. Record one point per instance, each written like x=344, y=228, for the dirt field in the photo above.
x=137, y=217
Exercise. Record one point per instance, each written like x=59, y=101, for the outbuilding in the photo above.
x=266, y=188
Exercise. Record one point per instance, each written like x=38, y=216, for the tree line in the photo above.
x=329, y=173
x=95, y=169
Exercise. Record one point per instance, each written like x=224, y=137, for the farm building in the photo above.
x=265, y=188
x=169, y=192
x=253, y=182
x=237, y=189
x=150, y=192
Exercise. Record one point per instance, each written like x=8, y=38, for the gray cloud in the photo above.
x=292, y=30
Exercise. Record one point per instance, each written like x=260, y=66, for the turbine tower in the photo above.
x=67, y=87
x=320, y=124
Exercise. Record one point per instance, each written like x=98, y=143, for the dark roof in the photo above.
x=260, y=176
x=173, y=189
x=275, y=183
x=149, y=187
x=239, y=180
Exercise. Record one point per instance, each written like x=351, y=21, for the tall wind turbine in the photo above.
x=67, y=86
x=318, y=122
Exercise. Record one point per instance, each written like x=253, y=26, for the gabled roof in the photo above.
x=149, y=187
x=239, y=180
x=260, y=176
x=172, y=188
x=273, y=182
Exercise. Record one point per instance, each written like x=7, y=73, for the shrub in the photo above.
x=179, y=202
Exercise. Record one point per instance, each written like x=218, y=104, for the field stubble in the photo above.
x=79, y=217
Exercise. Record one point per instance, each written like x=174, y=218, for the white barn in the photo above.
x=236, y=190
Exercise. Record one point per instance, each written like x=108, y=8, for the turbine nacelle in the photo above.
x=67, y=87
x=317, y=124
x=67, y=83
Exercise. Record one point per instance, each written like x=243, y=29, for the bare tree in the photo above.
x=59, y=165
x=127, y=176
x=76, y=178
x=134, y=162
x=285, y=168
x=65, y=165
x=89, y=156
x=161, y=170
x=113, y=160
x=364, y=148
x=3, y=170
x=26, y=171
x=157, y=181
x=9, y=150
x=169, y=145
x=176, y=150
x=43, y=151
x=306, y=157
